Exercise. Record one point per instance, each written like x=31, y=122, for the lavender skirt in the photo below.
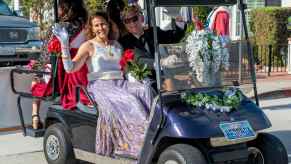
x=124, y=108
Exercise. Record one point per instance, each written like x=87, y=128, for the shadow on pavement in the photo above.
x=284, y=136
x=10, y=132
x=280, y=107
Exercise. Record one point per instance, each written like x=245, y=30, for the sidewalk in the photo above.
x=12, y=143
x=274, y=86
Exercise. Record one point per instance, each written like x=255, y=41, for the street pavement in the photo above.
x=279, y=113
x=16, y=149
x=275, y=100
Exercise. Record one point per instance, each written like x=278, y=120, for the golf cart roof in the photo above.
x=194, y=2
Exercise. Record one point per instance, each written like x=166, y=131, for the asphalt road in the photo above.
x=15, y=149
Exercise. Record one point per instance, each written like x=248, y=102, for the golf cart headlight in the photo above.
x=33, y=33
x=222, y=141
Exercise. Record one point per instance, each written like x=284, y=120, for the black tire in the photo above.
x=182, y=154
x=57, y=145
x=267, y=149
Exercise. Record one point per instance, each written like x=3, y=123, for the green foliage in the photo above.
x=201, y=12
x=204, y=99
x=45, y=6
x=94, y=5
x=138, y=71
x=42, y=8
x=269, y=25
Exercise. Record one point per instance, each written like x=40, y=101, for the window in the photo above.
x=4, y=9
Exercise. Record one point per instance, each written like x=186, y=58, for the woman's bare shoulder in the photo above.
x=87, y=45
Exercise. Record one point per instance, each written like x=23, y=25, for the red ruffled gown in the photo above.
x=66, y=82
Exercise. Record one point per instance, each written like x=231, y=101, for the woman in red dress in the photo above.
x=73, y=15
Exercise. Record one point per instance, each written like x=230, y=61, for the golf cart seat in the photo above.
x=28, y=130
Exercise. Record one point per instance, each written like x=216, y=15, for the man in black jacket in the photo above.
x=140, y=38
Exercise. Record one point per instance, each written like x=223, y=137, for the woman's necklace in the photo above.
x=109, y=50
x=107, y=46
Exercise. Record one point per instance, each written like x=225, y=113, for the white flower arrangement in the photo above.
x=207, y=55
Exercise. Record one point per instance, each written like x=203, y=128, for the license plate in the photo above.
x=7, y=51
x=237, y=130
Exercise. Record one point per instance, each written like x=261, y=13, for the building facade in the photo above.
x=286, y=3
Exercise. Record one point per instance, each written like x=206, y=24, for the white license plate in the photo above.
x=7, y=51
x=237, y=130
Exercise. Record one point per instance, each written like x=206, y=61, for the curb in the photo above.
x=282, y=93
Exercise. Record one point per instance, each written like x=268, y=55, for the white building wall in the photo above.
x=286, y=3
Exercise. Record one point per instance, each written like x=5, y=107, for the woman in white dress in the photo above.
x=123, y=106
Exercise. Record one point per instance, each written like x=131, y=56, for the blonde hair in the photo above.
x=129, y=9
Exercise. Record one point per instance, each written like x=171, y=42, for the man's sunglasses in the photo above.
x=130, y=20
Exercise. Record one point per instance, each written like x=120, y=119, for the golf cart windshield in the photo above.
x=190, y=64
x=202, y=59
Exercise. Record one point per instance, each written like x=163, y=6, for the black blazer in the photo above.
x=129, y=41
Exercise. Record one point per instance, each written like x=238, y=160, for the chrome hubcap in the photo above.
x=171, y=162
x=255, y=156
x=53, y=147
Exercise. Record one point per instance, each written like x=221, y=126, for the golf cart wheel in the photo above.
x=267, y=149
x=57, y=145
x=182, y=154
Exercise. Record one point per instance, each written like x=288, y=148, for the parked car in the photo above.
x=19, y=38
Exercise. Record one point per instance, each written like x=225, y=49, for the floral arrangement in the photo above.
x=35, y=65
x=53, y=48
x=132, y=67
x=229, y=101
x=207, y=54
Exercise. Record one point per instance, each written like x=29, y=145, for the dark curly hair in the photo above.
x=75, y=11
x=113, y=10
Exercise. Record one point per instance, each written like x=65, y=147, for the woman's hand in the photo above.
x=61, y=33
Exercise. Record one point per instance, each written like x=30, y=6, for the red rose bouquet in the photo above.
x=132, y=67
x=54, y=47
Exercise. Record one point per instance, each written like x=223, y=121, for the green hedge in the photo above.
x=269, y=25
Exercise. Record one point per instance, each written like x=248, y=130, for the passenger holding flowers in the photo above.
x=72, y=15
x=123, y=106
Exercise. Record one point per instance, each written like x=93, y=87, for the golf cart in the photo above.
x=179, y=132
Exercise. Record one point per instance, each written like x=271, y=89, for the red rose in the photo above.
x=127, y=56
x=54, y=46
